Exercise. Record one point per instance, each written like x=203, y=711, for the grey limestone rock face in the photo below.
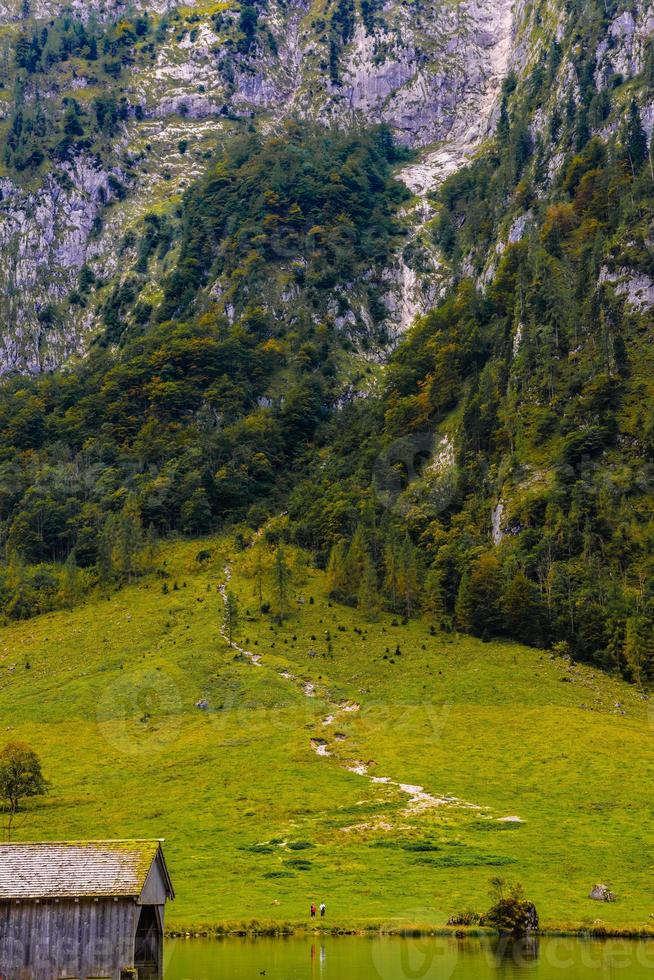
x=44, y=237
x=428, y=71
x=636, y=287
x=623, y=50
x=432, y=72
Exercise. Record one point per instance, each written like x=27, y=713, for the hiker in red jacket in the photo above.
x=313, y=910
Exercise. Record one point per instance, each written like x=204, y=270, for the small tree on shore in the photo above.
x=21, y=777
x=511, y=912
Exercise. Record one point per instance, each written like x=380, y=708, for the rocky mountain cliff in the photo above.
x=432, y=75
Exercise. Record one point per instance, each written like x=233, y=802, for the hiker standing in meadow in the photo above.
x=323, y=910
x=313, y=910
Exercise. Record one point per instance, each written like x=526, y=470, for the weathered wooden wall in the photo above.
x=49, y=940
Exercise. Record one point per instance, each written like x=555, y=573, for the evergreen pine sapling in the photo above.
x=635, y=139
x=230, y=616
x=281, y=575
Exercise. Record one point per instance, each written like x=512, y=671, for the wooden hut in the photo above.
x=82, y=909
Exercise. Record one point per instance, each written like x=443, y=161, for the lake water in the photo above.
x=356, y=958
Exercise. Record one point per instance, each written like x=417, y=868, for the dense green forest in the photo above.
x=180, y=419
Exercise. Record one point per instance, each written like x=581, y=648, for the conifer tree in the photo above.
x=635, y=138
x=408, y=576
x=433, y=598
x=583, y=129
x=69, y=593
x=504, y=123
x=258, y=575
x=637, y=648
x=104, y=563
x=337, y=570
x=391, y=564
x=20, y=605
x=648, y=66
x=151, y=545
x=369, y=521
x=368, y=596
x=129, y=537
x=231, y=616
x=521, y=608
x=478, y=607
x=355, y=562
x=463, y=606
x=282, y=576
x=257, y=565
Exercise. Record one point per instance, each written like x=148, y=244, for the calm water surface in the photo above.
x=351, y=958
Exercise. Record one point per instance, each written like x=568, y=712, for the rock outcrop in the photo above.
x=601, y=893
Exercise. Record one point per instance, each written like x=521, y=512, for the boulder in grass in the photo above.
x=601, y=893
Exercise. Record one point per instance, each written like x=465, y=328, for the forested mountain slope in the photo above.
x=111, y=110
x=240, y=280
x=520, y=410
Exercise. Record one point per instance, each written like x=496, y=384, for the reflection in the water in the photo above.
x=409, y=958
x=321, y=955
x=521, y=951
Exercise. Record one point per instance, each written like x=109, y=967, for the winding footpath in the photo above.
x=419, y=798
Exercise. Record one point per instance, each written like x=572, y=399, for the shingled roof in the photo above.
x=79, y=869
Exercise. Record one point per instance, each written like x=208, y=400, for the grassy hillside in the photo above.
x=258, y=823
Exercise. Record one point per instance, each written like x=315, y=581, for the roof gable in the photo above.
x=79, y=869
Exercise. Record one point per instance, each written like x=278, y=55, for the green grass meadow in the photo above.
x=258, y=825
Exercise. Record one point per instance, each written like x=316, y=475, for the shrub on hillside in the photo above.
x=511, y=912
x=468, y=917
